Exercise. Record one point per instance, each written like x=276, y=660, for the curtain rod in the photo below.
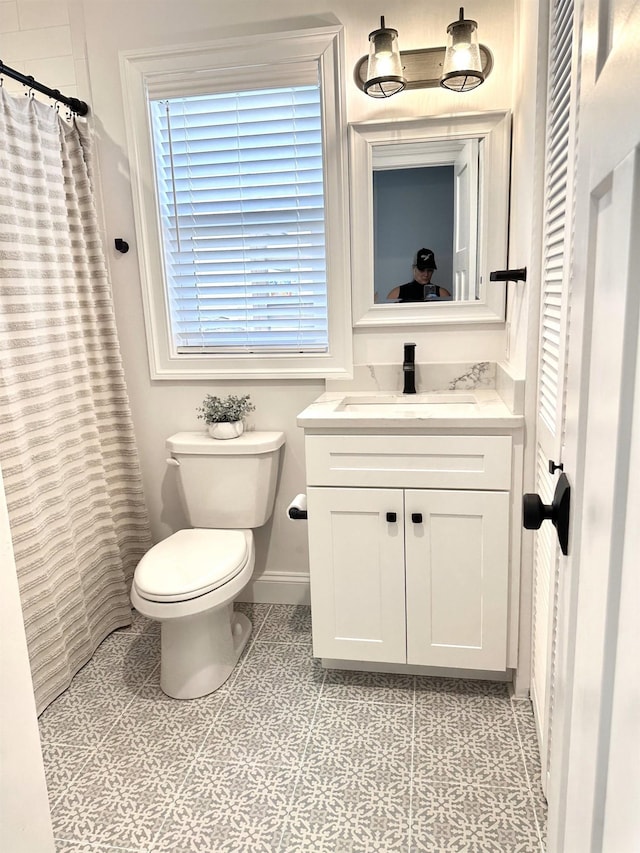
x=74, y=104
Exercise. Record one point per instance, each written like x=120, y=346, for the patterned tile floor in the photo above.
x=287, y=757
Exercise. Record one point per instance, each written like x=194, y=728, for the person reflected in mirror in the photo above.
x=421, y=288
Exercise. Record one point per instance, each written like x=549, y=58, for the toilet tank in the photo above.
x=226, y=483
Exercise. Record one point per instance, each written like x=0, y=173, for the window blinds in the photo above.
x=239, y=182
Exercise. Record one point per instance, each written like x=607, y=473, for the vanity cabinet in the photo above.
x=409, y=548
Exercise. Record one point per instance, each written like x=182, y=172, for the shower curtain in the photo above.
x=67, y=450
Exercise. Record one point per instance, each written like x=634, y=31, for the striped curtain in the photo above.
x=67, y=451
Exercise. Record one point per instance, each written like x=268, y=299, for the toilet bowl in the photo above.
x=188, y=582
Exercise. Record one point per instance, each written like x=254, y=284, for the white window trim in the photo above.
x=231, y=60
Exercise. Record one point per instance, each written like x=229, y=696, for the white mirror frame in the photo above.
x=494, y=128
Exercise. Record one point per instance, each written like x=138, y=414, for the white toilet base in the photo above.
x=201, y=638
x=199, y=652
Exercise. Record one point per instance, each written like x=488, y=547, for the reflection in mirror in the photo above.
x=438, y=185
x=412, y=209
x=433, y=206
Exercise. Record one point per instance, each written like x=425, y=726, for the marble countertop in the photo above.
x=354, y=410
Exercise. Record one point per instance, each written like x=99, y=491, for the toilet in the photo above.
x=188, y=581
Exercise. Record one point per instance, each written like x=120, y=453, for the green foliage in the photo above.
x=215, y=410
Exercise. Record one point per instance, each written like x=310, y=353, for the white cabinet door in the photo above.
x=357, y=574
x=457, y=578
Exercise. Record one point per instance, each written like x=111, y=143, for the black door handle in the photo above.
x=416, y=517
x=392, y=516
x=534, y=512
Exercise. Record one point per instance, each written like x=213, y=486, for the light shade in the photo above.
x=462, y=68
x=384, y=69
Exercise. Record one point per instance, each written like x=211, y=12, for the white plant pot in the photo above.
x=226, y=429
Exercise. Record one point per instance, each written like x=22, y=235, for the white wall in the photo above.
x=523, y=302
x=44, y=39
x=529, y=100
x=98, y=30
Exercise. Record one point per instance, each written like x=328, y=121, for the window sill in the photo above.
x=250, y=367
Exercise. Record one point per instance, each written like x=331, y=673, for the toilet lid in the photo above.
x=191, y=563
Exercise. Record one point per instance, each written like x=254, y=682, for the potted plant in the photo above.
x=224, y=415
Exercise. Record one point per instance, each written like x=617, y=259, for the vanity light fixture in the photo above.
x=461, y=65
x=384, y=69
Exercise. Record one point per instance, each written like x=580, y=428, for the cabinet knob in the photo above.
x=392, y=516
x=416, y=517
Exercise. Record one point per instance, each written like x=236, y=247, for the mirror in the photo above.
x=440, y=184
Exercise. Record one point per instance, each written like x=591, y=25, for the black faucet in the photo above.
x=409, y=369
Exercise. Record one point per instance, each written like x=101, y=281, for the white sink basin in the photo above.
x=364, y=411
x=401, y=404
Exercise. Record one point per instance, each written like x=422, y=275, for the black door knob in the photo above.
x=416, y=517
x=392, y=516
x=534, y=512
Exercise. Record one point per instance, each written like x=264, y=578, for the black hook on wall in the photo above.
x=121, y=245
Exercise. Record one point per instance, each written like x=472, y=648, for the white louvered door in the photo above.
x=594, y=790
x=557, y=240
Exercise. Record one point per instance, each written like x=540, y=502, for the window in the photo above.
x=245, y=261
x=241, y=199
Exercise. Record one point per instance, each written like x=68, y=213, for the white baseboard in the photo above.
x=277, y=588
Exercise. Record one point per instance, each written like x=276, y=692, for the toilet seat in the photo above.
x=191, y=563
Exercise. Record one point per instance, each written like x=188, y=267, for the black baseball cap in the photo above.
x=425, y=260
